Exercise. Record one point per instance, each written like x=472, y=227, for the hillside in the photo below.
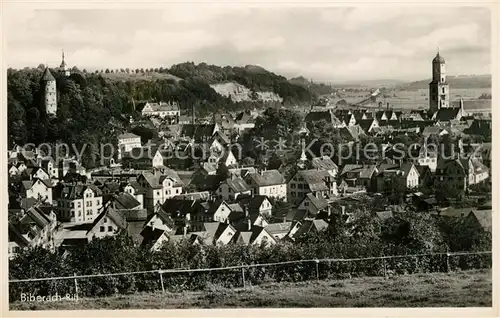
x=457, y=82
x=240, y=93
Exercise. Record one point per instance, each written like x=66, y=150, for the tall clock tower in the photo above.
x=439, y=92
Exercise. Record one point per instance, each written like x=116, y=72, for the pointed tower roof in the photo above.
x=63, y=63
x=47, y=76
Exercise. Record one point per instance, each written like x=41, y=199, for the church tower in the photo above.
x=50, y=92
x=64, y=68
x=438, y=88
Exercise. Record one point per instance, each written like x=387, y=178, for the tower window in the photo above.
x=443, y=90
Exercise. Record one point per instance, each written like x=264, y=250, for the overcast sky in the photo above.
x=329, y=44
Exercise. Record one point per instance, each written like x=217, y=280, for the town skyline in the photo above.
x=214, y=35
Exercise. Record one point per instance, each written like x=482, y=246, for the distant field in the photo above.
x=414, y=99
x=459, y=289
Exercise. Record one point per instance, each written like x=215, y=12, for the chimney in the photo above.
x=387, y=106
x=284, y=218
x=249, y=223
x=245, y=209
x=342, y=209
x=184, y=230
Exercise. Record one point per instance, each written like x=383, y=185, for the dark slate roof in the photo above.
x=315, y=179
x=318, y=203
x=438, y=59
x=237, y=185
x=244, y=117
x=73, y=192
x=179, y=207
x=205, y=182
x=267, y=178
x=150, y=236
x=278, y=228
x=446, y=114
x=125, y=201
x=484, y=218
x=324, y=163
x=47, y=75
x=328, y=116
x=198, y=132
x=113, y=215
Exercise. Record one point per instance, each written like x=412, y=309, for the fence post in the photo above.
x=447, y=262
x=385, y=266
x=243, y=275
x=161, y=281
x=317, y=269
x=76, y=284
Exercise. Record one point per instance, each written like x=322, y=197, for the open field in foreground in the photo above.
x=459, y=289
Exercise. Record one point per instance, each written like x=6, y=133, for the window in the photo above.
x=293, y=193
x=105, y=220
x=300, y=186
x=72, y=213
x=72, y=204
x=101, y=229
x=110, y=228
x=176, y=190
x=79, y=213
x=79, y=204
x=157, y=192
x=292, y=186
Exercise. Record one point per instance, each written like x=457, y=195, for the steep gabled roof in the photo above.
x=484, y=218
x=267, y=178
x=324, y=163
x=47, y=75
x=237, y=185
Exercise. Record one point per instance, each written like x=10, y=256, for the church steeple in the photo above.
x=64, y=68
x=438, y=87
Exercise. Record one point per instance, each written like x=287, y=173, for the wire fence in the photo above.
x=182, y=279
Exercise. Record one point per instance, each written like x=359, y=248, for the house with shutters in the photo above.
x=326, y=115
x=35, y=227
x=48, y=164
x=243, y=220
x=133, y=188
x=78, y=203
x=160, y=220
x=153, y=238
x=282, y=229
x=108, y=223
x=259, y=204
x=270, y=183
x=244, y=120
x=360, y=175
x=313, y=205
x=460, y=173
x=40, y=189
x=325, y=163
x=168, y=110
x=127, y=142
x=318, y=182
x=406, y=176
x=159, y=186
x=214, y=233
x=256, y=236
x=368, y=125
x=233, y=187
